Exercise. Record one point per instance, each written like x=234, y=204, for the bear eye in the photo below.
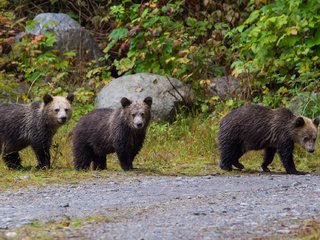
x=56, y=110
x=142, y=114
x=66, y=109
x=133, y=114
x=305, y=139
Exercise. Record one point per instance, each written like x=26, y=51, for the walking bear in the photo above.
x=106, y=130
x=34, y=124
x=255, y=127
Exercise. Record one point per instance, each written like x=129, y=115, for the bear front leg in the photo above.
x=12, y=160
x=124, y=158
x=267, y=158
x=43, y=156
x=286, y=156
x=99, y=163
x=132, y=157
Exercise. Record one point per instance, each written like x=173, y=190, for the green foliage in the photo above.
x=43, y=70
x=30, y=64
x=152, y=38
x=280, y=45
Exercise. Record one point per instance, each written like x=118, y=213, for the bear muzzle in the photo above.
x=62, y=120
x=310, y=150
x=138, y=125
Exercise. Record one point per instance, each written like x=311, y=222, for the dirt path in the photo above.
x=156, y=207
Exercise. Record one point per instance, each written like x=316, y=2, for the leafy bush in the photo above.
x=279, y=45
x=150, y=37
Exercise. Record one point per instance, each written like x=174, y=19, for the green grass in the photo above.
x=63, y=229
x=186, y=147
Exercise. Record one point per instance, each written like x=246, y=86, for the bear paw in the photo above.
x=264, y=169
x=238, y=165
x=226, y=168
x=296, y=172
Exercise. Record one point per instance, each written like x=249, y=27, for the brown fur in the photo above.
x=33, y=124
x=255, y=127
x=106, y=130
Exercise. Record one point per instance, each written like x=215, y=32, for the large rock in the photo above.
x=70, y=35
x=224, y=87
x=165, y=92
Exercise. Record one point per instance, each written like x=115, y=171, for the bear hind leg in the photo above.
x=231, y=157
x=82, y=158
x=267, y=159
x=12, y=160
x=99, y=163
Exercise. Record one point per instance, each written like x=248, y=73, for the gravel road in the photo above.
x=160, y=207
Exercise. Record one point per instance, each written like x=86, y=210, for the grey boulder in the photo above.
x=224, y=87
x=70, y=35
x=166, y=93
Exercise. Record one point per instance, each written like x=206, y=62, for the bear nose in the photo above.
x=139, y=125
x=63, y=119
x=310, y=150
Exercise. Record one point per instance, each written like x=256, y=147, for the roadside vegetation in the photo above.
x=271, y=46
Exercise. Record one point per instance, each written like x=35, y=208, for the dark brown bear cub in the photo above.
x=34, y=125
x=255, y=127
x=105, y=131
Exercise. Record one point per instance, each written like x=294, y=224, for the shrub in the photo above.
x=279, y=45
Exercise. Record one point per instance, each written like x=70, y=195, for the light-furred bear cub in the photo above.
x=106, y=130
x=255, y=127
x=34, y=125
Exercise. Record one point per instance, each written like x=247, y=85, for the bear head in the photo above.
x=305, y=132
x=58, y=109
x=137, y=114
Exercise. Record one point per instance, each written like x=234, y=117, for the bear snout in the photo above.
x=310, y=150
x=139, y=125
x=62, y=119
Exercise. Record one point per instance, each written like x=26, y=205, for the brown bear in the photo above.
x=106, y=130
x=255, y=127
x=34, y=125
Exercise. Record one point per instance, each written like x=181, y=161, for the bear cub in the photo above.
x=106, y=130
x=23, y=125
x=256, y=127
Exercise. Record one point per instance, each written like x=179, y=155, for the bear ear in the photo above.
x=47, y=99
x=70, y=97
x=316, y=121
x=125, y=102
x=299, y=122
x=148, y=101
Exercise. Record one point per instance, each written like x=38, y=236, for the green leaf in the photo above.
x=30, y=25
x=50, y=39
x=191, y=21
x=314, y=41
x=109, y=46
x=253, y=16
x=118, y=34
x=151, y=22
x=69, y=54
x=145, y=13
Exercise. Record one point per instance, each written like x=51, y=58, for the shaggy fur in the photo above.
x=105, y=131
x=34, y=124
x=255, y=127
